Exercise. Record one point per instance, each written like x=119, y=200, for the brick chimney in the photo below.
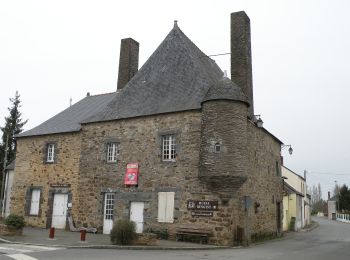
x=241, y=57
x=128, y=61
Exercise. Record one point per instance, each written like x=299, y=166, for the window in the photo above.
x=217, y=147
x=166, y=207
x=34, y=202
x=50, y=156
x=109, y=206
x=112, y=152
x=278, y=170
x=168, y=148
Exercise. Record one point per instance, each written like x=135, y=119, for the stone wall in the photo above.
x=32, y=171
x=264, y=184
x=139, y=140
x=81, y=166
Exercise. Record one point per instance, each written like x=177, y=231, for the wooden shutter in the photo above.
x=161, y=206
x=169, y=210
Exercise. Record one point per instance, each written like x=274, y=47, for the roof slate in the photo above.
x=69, y=119
x=175, y=78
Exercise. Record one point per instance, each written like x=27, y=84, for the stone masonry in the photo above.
x=33, y=172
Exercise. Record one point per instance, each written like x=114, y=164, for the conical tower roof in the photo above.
x=225, y=89
x=175, y=78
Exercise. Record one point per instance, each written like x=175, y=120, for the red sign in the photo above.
x=132, y=174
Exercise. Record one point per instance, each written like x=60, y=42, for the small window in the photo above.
x=35, y=202
x=50, y=156
x=278, y=171
x=166, y=207
x=168, y=148
x=112, y=152
x=217, y=147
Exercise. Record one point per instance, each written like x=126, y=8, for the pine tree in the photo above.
x=13, y=126
x=344, y=198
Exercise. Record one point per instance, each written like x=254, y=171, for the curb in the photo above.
x=314, y=225
x=2, y=240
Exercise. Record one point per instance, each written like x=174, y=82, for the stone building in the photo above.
x=177, y=145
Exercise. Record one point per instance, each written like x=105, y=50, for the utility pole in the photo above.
x=4, y=176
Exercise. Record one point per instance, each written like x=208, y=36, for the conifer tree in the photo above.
x=13, y=126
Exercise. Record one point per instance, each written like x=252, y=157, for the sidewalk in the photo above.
x=38, y=236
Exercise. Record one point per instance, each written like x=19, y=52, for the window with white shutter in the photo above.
x=35, y=201
x=166, y=207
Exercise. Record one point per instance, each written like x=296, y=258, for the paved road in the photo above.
x=331, y=240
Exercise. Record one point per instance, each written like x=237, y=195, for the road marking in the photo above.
x=21, y=257
x=15, y=249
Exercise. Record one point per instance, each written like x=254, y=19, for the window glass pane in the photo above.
x=112, y=152
x=50, y=152
x=168, y=147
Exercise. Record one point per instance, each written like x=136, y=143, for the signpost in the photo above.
x=202, y=208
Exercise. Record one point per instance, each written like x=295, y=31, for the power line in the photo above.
x=327, y=173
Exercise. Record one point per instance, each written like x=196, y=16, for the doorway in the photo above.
x=59, y=211
x=136, y=215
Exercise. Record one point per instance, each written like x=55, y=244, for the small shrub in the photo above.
x=123, y=232
x=15, y=221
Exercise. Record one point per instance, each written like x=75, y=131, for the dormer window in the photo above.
x=50, y=155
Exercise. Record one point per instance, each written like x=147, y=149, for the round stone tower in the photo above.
x=223, y=152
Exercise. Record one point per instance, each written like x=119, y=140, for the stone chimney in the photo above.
x=329, y=195
x=128, y=61
x=241, y=57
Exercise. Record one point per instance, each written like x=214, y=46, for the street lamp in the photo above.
x=290, y=150
x=258, y=121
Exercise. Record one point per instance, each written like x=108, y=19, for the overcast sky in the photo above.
x=51, y=51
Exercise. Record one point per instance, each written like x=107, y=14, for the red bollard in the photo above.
x=52, y=233
x=82, y=235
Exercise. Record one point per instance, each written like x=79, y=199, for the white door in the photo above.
x=136, y=215
x=108, y=213
x=59, y=212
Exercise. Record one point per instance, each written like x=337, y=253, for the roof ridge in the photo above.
x=107, y=93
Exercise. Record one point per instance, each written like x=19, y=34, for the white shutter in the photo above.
x=169, y=210
x=161, y=206
x=34, y=204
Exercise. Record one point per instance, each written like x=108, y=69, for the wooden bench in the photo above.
x=201, y=233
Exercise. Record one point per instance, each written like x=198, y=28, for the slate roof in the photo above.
x=175, y=78
x=69, y=120
x=225, y=89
